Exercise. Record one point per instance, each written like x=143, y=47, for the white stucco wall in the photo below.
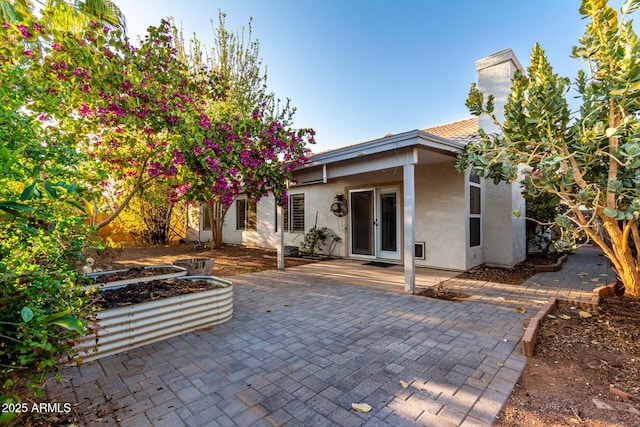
x=441, y=216
x=505, y=235
x=264, y=234
x=263, y=237
x=317, y=198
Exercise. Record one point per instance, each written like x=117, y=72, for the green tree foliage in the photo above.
x=42, y=233
x=73, y=16
x=587, y=160
x=42, y=220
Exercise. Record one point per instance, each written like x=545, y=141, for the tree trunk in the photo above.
x=216, y=217
x=624, y=263
x=140, y=182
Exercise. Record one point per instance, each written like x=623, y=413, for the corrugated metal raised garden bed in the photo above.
x=195, y=302
x=119, y=278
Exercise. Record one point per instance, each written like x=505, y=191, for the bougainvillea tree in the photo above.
x=247, y=131
x=92, y=111
x=135, y=105
x=254, y=155
x=140, y=114
x=589, y=161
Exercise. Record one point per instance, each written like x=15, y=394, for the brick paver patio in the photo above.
x=301, y=348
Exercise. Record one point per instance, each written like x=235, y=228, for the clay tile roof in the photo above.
x=461, y=131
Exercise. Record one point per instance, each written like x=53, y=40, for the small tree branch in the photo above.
x=140, y=181
x=577, y=175
x=628, y=228
x=614, y=122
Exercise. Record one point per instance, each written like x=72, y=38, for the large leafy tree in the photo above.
x=251, y=139
x=589, y=160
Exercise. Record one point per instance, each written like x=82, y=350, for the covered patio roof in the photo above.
x=405, y=150
x=411, y=147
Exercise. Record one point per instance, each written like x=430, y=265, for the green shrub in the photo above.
x=42, y=305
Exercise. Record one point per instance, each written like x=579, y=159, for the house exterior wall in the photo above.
x=505, y=235
x=441, y=214
x=263, y=237
x=318, y=198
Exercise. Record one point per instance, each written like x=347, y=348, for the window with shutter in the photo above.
x=241, y=214
x=246, y=215
x=294, y=217
x=206, y=216
x=297, y=212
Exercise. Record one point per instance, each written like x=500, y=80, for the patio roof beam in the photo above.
x=280, y=219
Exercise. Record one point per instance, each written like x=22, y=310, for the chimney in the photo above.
x=494, y=77
x=504, y=236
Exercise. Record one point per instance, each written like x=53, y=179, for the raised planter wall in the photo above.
x=124, y=328
x=530, y=337
x=557, y=266
x=177, y=272
x=196, y=266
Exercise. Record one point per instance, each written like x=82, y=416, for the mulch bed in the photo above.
x=442, y=294
x=150, y=291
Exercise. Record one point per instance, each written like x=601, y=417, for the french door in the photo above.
x=374, y=219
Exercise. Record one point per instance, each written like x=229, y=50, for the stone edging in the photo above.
x=543, y=268
x=530, y=336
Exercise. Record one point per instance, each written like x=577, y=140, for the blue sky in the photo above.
x=359, y=69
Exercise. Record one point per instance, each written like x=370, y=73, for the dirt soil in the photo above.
x=229, y=260
x=150, y=291
x=582, y=368
x=132, y=273
x=441, y=293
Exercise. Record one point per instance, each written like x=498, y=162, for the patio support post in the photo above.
x=280, y=219
x=409, y=235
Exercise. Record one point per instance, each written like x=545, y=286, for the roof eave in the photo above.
x=414, y=138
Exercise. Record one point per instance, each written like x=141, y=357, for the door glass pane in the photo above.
x=362, y=222
x=388, y=221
